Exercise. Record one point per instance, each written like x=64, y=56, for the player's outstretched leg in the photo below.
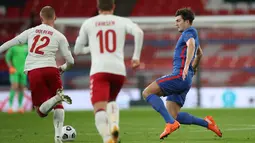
x=48, y=105
x=158, y=105
x=58, y=121
x=113, y=116
x=208, y=122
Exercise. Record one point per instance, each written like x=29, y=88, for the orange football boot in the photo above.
x=212, y=126
x=169, y=129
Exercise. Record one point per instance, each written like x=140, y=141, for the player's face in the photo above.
x=180, y=23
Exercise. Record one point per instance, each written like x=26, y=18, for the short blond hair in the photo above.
x=47, y=13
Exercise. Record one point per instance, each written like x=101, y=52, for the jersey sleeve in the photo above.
x=137, y=32
x=23, y=37
x=20, y=39
x=8, y=56
x=82, y=41
x=64, y=50
x=189, y=34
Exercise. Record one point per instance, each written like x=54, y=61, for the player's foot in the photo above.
x=212, y=125
x=58, y=140
x=110, y=139
x=10, y=111
x=21, y=110
x=63, y=97
x=169, y=129
x=115, y=133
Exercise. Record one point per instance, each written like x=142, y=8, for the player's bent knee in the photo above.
x=145, y=93
x=40, y=113
x=99, y=106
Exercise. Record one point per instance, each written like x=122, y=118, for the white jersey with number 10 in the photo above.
x=105, y=35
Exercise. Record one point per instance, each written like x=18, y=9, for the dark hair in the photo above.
x=186, y=13
x=48, y=12
x=105, y=5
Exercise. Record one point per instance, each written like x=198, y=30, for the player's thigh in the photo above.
x=169, y=84
x=116, y=84
x=99, y=88
x=39, y=90
x=178, y=98
x=53, y=78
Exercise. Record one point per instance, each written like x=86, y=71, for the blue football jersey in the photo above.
x=181, y=49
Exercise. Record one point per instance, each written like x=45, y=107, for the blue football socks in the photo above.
x=186, y=118
x=159, y=106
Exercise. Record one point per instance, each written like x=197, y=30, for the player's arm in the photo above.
x=81, y=42
x=8, y=57
x=8, y=60
x=138, y=34
x=198, y=58
x=20, y=39
x=65, y=52
x=190, y=52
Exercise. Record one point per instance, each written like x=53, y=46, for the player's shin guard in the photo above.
x=58, y=121
x=113, y=116
x=48, y=105
x=102, y=124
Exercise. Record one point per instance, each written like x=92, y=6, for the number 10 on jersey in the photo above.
x=104, y=40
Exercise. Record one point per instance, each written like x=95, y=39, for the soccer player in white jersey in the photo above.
x=43, y=74
x=106, y=35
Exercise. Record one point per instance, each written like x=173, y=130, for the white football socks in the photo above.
x=113, y=114
x=58, y=121
x=48, y=105
x=102, y=124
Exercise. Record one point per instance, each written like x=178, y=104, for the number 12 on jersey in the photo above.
x=104, y=40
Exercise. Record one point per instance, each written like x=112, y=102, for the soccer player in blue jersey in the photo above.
x=176, y=85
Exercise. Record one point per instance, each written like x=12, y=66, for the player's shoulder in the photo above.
x=191, y=30
x=123, y=19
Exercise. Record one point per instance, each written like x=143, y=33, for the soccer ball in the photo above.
x=68, y=133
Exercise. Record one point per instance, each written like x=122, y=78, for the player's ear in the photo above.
x=55, y=17
x=41, y=18
x=113, y=7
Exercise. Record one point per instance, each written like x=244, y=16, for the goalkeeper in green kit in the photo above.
x=15, y=59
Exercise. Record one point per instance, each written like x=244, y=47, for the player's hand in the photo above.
x=12, y=70
x=185, y=73
x=195, y=70
x=135, y=64
x=60, y=70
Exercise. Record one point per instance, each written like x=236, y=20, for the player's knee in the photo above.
x=145, y=93
x=99, y=106
x=42, y=115
x=15, y=87
x=21, y=88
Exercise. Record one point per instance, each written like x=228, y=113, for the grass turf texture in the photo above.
x=138, y=125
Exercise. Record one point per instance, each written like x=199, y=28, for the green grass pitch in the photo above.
x=138, y=125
